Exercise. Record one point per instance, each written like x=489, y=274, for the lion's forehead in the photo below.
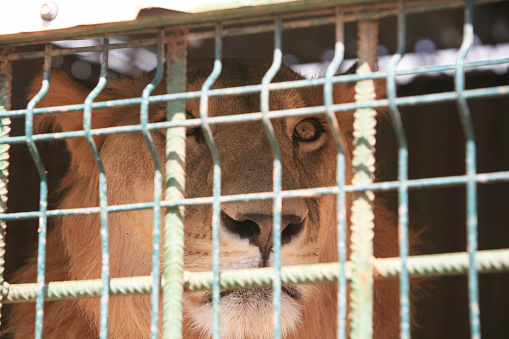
x=280, y=100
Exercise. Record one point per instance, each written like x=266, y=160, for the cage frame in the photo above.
x=176, y=279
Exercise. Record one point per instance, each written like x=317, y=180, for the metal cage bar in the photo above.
x=293, y=21
x=277, y=199
x=449, y=181
x=495, y=91
x=404, y=281
x=431, y=265
x=43, y=198
x=173, y=284
x=158, y=182
x=363, y=264
x=103, y=200
x=216, y=186
x=470, y=169
x=5, y=129
x=339, y=51
x=362, y=216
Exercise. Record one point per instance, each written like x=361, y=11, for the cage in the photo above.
x=441, y=170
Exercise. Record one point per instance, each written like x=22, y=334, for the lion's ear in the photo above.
x=64, y=91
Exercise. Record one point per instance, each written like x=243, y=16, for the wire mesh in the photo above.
x=362, y=268
x=340, y=172
x=402, y=176
x=216, y=189
x=43, y=196
x=156, y=277
x=470, y=164
x=103, y=200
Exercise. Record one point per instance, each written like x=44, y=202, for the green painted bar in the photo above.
x=481, y=178
x=103, y=200
x=404, y=281
x=158, y=180
x=339, y=51
x=216, y=181
x=470, y=170
x=431, y=265
x=173, y=281
x=277, y=201
x=362, y=216
x=43, y=194
x=5, y=129
x=406, y=101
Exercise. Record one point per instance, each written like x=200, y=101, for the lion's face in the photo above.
x=308, y=157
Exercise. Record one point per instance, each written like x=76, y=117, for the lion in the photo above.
x=308, y=223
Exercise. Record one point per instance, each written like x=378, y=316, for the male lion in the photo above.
x=308, y=224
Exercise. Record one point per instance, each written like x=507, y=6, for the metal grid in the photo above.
x=362, y=263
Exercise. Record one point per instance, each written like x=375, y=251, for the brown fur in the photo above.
x=74, y=245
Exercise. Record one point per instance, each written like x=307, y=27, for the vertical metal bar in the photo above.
x=158, y=181
x=5, y=128
x=216, y=189
x=404, y=283
x=43, y=199
x=339, y=52
x=277, y=200
x=5, y=77
x=362, y=217
x=470, y=164
x=173, y=284
x=103, y=200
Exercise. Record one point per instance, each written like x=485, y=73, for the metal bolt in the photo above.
x=49, y=10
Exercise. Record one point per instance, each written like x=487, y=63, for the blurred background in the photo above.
x=435, y=138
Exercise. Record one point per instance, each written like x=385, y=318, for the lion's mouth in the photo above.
x=245, y=296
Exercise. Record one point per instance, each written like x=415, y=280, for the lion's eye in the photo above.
x=190, y=130
x=308, y=130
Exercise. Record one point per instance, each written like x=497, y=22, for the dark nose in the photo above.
x=257, y=228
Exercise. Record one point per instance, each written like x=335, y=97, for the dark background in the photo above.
x=436, y=148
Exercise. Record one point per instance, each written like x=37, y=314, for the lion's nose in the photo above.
x=257, y=228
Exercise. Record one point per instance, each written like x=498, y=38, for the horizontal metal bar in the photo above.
x=349, y=14
x=403, y=101
x=488, y=261
x=469, y=94
x=65, y=290
x=85, y=49
x=444, y=264
x=481, y=178
x=233, y=31
x=150, y=23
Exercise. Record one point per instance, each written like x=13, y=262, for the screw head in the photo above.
x=49, y=10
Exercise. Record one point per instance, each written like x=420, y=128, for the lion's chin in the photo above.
x=249, y=313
